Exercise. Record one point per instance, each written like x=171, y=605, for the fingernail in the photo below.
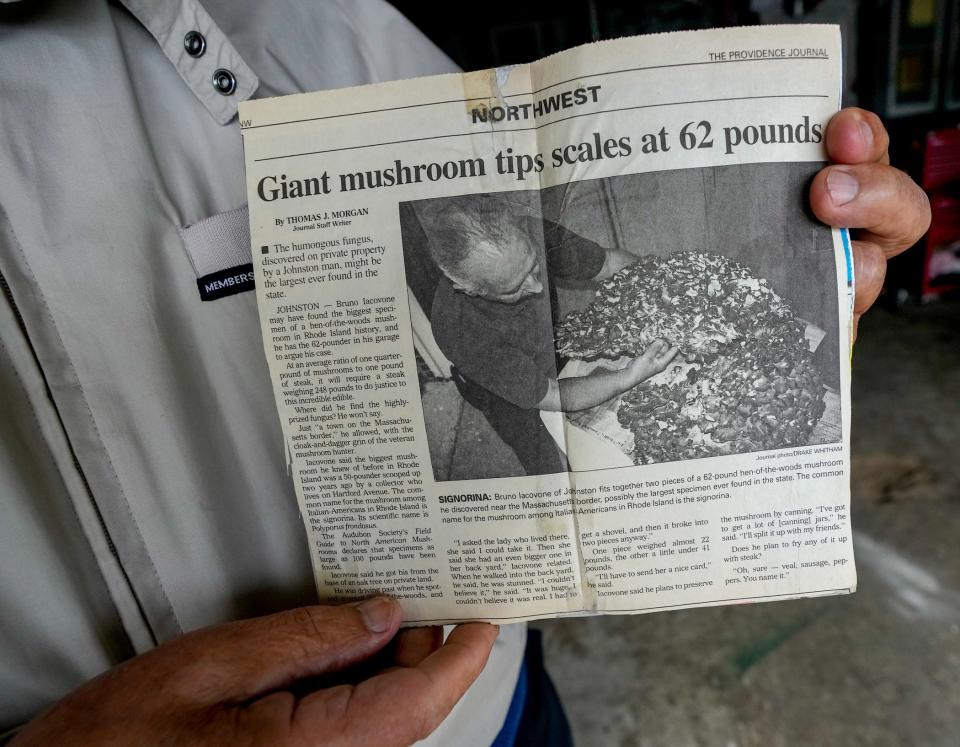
x=377, y=614
x=866, y=132
x=842, y=186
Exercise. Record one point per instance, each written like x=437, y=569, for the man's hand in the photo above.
x=615, y=260
x=654, y=360
x=255, y=682
x=583, y=392
x=863, y=191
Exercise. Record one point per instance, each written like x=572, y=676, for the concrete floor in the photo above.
x=878, y=668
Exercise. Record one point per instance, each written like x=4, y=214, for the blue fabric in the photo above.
x=511, y=724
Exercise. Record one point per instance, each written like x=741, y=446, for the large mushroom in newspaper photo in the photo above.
x=745, y=378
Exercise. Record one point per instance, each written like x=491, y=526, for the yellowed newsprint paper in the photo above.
x=562, y=338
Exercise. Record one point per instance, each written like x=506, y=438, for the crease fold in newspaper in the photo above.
x=561, y=338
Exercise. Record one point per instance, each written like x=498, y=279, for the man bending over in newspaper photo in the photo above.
x=492, y=317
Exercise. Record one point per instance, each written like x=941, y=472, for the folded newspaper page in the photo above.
x=601, y=269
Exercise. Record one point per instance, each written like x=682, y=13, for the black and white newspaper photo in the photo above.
x=562, y=338
x=666, y=340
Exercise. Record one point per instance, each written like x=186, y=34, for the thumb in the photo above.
x=244, y=659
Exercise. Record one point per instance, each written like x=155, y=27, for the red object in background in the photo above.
x=941, y=180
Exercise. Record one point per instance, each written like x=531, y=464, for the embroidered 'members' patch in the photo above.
x=219, y=250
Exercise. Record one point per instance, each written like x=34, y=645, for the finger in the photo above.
x=857, y=136
x=402, y=705
x=869, y=267
x=241, y=660
x=884, y=201
x=413, y=645
x=669, y=354
x=654, y=349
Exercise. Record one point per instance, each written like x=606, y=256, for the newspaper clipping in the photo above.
x=562, y=338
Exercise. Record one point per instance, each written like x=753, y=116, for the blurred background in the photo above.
x=880, y=667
